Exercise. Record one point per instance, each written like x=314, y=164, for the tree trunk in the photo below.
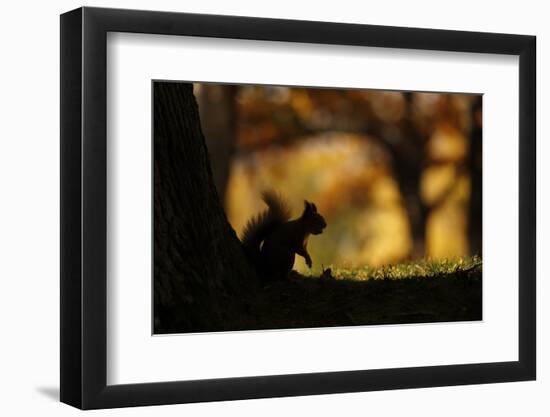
x=199, y=265
x=417, y=212
x=475, y=212
x=407, y=149
x=217, y=107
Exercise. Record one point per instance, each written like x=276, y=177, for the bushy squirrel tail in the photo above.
x=261, y=225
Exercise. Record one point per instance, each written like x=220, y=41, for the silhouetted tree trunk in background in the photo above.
x=406, y=146
x=410, y=166
x=199, y=265
x=417, y=212
x=475, y=167
x=217, y=105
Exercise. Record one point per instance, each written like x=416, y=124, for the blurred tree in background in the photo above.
x=397, y=175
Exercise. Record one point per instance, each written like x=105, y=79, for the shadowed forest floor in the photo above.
x=408, y=293
x=420, y=292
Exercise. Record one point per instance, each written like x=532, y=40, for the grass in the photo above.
x=426, y=291
x=420, y=269
x=413, y=292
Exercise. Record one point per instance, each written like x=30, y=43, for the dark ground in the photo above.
x=305, y=302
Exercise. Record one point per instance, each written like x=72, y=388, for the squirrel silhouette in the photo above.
x=271, y=240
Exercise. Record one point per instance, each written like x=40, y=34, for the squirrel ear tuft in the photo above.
x=307, y=206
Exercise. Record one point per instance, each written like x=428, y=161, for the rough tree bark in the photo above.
x=201, y=276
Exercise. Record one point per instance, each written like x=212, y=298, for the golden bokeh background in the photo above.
x=397, y=175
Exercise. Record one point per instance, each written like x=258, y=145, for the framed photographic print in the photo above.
x=258, y=208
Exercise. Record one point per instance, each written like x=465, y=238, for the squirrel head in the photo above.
x=315, y=223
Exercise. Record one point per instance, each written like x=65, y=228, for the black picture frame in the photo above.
x=84, y=209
